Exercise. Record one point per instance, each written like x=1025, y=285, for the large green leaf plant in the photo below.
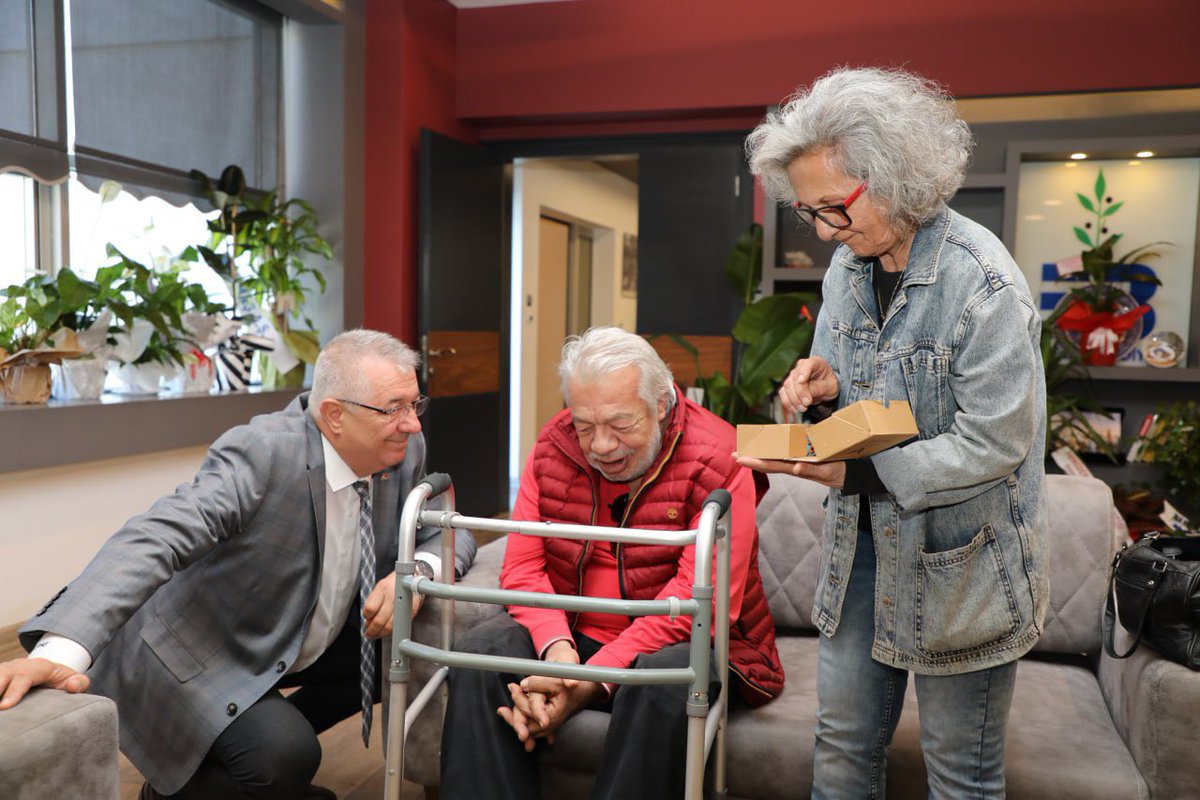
x=770, y=334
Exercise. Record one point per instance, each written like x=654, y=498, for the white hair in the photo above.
x=338, y=373
x=891, y=128
x=600, y=352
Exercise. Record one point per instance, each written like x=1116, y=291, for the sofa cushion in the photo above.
x=1083, y=530
x=790, y=516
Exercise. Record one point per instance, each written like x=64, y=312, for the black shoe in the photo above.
x=314, y=792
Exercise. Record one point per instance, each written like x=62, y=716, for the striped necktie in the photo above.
x=366, y=582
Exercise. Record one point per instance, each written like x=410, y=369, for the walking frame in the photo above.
x=706, y=721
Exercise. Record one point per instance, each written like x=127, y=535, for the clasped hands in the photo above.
x=541, y=704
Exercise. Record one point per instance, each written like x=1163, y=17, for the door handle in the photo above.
x=438, y=353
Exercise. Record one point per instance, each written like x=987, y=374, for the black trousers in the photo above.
x=644, y=750
x=271, y=750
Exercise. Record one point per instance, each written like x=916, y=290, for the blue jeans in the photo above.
x=859, y=702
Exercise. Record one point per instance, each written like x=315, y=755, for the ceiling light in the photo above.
x=1145, y=154
x=1078, y=156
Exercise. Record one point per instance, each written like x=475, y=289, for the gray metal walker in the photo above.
x=706, y=721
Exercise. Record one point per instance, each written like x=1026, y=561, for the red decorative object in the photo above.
x=1099, y=331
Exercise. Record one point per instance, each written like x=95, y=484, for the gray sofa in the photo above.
x=55, y=745
x=1083, y=726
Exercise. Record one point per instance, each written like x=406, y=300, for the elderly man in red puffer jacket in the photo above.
x=629, y=451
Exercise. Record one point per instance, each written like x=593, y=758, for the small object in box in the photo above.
x=797, y=259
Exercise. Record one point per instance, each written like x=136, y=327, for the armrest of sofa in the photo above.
x=1153, y=702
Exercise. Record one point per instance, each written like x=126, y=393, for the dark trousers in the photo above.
x=271, y=750
x=644, y=750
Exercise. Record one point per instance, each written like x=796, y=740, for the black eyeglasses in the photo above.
x=835, y=216
x=401, y=411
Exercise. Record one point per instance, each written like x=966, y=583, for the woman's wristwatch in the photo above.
x=424, y=569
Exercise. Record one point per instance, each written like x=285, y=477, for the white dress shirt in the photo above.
x=338, y=583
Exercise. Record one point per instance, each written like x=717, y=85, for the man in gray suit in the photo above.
x=251, y=579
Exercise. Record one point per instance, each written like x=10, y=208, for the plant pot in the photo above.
x=196, y=377
x=272, y=378
x=80, y=378
x=139, y=378
x=25, y=383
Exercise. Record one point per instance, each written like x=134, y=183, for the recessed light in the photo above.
x=1145, y=154
x=1079, y=156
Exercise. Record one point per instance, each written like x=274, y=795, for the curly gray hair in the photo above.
x=337, y=372
x=599, y=352
x=891, y=128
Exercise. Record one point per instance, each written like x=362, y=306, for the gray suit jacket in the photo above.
x=196, y=608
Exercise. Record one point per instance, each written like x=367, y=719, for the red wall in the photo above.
x=570, y=59
x=410, y=67
x=596, y=67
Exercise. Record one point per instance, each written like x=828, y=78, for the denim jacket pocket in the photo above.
x=965, y=599
x=926, y=374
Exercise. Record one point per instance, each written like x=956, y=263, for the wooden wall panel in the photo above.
x=469, y=363
x=715, y=353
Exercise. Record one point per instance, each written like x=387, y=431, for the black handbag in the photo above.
x=1156, y=583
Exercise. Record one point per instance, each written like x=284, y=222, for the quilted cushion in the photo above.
x=789, y=551
x=1083, y=529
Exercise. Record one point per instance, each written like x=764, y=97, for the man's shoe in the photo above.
x=314, y=792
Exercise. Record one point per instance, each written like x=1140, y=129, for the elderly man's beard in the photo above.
x=640, y=459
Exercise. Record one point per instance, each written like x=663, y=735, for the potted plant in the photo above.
x=769, y=335
x=162, y=299
x=258, y=245
x=1066, y=419
x=1099, y=314
x=1173, y=444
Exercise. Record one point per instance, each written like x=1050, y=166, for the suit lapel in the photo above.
x=316, y=484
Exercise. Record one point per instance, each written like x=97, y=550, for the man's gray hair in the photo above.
x=891, y=128
x=338, y=374
x=599, y=352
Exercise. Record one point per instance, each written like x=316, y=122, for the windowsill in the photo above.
x=68, y=432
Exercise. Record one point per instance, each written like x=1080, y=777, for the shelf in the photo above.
x=984, y=180
x=1146, y=374
x=795, y=273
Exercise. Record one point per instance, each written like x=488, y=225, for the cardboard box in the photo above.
x=857, y=430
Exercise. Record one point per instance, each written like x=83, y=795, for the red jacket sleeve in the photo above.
x=525, y=570
x=650, y=634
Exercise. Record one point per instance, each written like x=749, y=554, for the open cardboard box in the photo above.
x=857, y=430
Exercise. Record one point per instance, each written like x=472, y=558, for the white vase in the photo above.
x=195, y=378
x=139, y=378
x=80, y=378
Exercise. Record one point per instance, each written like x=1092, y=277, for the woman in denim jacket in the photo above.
x=934, y=557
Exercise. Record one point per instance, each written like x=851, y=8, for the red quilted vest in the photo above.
x=695, y=460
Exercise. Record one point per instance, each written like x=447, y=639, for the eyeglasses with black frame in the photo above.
x=399, y=412
x=835, y=216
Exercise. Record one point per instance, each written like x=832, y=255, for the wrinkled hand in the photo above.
x=811, y=381
x=380, y=607
x=831, y=474
x=541, y=703
x=20, y=675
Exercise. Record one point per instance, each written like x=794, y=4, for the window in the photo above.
x=17, y=229
x=151, y=231
x=16, y=67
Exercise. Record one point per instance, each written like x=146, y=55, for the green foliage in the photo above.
x=33, y=310
x=1099, y=265
x=261, y=242
x=1065, y=418
x=769, y=335
x=1175, y=447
